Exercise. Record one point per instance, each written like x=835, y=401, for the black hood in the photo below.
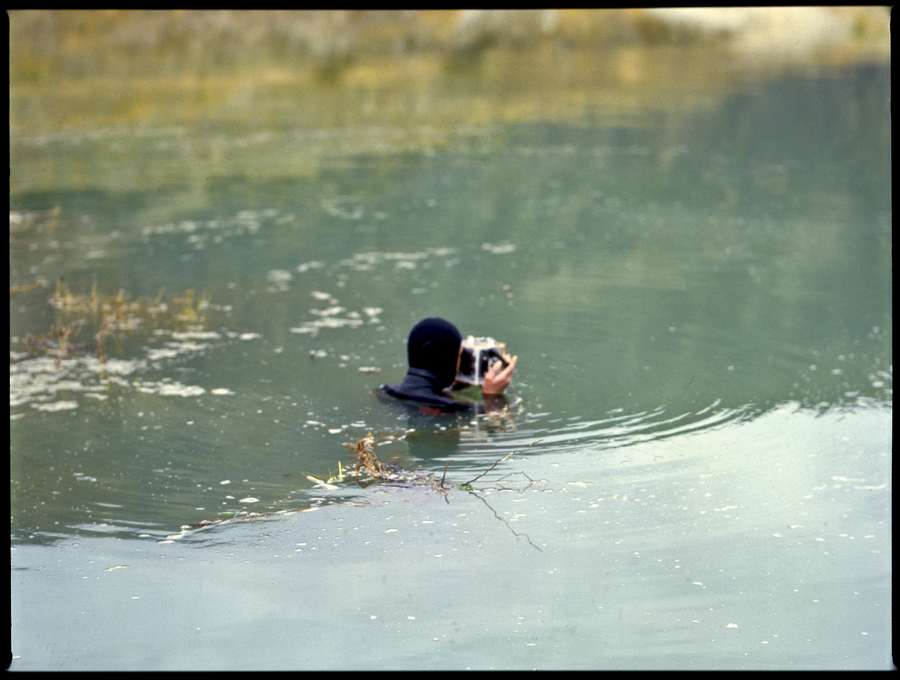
x=433, y=346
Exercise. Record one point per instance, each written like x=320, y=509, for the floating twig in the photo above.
x=469, y=483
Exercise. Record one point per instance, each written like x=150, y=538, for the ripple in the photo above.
x=613, y=431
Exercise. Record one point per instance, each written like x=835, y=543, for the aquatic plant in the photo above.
x=55, y=341
x=108, y=314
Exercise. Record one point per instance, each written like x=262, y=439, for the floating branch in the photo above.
x=366, y=470
x=469, y=483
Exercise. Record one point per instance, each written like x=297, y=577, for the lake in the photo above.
x=695, y=465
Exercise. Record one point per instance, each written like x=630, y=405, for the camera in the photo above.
x=478, y=354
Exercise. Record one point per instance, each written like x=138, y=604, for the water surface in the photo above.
x=700, y=473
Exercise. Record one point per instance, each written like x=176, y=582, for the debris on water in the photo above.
x=321, y=483
x=366, y=470
x=367, y=462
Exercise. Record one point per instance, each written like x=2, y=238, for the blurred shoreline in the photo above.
x=187, y=89
x=50, y=44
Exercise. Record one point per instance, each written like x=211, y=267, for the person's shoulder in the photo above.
x=391, y=394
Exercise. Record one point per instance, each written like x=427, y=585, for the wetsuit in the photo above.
x=418, y=389
x=433, y=349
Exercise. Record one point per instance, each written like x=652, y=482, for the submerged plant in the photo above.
x=109, y=314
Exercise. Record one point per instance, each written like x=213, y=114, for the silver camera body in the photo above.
x=478, y=354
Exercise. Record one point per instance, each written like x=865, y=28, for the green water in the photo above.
x=700, y=299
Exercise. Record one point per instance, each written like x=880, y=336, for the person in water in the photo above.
x=434, y=350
